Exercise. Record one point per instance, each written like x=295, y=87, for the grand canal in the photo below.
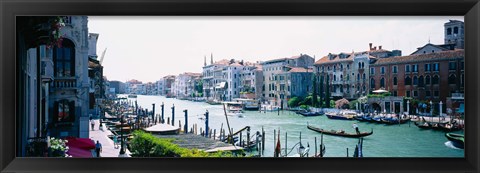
x=404, y=140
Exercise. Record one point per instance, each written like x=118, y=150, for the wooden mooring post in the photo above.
x=173, y=115
x=274, y=139
x=186, y=120
x=214, y=133
x=263, y=141
x=240, y=139
x=286, y=144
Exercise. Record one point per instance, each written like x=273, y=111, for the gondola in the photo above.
x=338, y=117
x=310, y=114
x=339, y=133
x=458, y=140
x=438, y=126
x=391, y=121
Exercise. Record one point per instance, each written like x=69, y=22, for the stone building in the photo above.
x=274, y=81
x=183, y=87
x=348, y=72
x=210, y=80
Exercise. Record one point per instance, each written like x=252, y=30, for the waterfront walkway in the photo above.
x=108, y=149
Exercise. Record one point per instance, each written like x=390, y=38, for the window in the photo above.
x=372, y=83
x=415, y=68
x=435, y=93
x=382, y=82
x=372, y=70
x=364, y=76
x=407, y=68
x=382, y=70
x=64, y=59
x=435, y=67
x=358, y=76
x=394, y=69
x=408, y=80
x=455, y=30
x=64, y=111
x=449, y=31
x=452, y=65
x=334, y=68
x=415, y=80
x=341, y=77
x=395, y=81
x=428, y=93
x=395, y=93
x=348, y=66
x=427, y=80
x=420, y=81
x=452, y=79
x=408, y=93
x=334, y=77
x=435, y=80
x=427, y=67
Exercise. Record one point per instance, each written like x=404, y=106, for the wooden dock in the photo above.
x=163, y=129
x=192, y=141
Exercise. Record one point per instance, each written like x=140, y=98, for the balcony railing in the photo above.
x=64, y=83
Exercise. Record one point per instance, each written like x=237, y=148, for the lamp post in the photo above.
x=431, y=110
x=440, y=111
x=408, y=107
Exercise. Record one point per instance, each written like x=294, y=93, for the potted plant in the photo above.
x=58, y=147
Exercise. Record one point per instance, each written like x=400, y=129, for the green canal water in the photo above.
x=404, y=140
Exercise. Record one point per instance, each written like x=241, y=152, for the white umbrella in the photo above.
x=380, y=91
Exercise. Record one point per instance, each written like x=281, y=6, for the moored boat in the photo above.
x=248, y=104
x=391, y=121
x=458, y=140
x=340, y=133
x=310, y=113
x=340, y=116
x=234, y=108
x=132, y=96
x=447, y=127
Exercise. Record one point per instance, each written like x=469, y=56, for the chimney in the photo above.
x=375, y=48
x=370, y=44
x=379, y=47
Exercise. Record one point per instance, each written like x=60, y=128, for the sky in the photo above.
x=149, y=48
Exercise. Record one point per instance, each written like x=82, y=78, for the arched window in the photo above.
x=452, y=79
x=415, y=80
x=455, y=30
x=382, y=83
x=408, y=80
x=358, y=76
x=363, y=64
x=334, y=77
x=359, y=65
x=449, y=31
x=427, y=80
x=64, y=59
x=395, y=82
x=364, y=76
x=341, y=77
x=435, y=80
x=420, y=81
x=372, y=83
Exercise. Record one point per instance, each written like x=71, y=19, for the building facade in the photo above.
x=274, y=79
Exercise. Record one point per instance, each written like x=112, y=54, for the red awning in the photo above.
x=80, y=147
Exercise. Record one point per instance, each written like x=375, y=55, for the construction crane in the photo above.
x=103, y=56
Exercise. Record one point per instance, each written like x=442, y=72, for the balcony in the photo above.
x=64, y=83
x=47, y=70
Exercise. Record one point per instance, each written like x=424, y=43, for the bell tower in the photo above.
x=455, y=33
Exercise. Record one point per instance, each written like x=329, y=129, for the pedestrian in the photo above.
x=355, y=126
x=92, y=122
x=98, y=148
x=115, y=141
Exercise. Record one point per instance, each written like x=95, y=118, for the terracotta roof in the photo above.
x=222, y=62
x=429, y=44
x=452, y=54
x=336, y=59
x=300, y=70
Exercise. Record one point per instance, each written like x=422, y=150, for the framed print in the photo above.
x=274, y=86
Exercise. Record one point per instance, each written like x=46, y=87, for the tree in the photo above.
x=321, y=91
x=314, y=94
x=327, y=93
x=294, y=102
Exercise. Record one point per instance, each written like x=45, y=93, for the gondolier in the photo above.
x=355, y=126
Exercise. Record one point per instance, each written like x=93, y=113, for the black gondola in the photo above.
x=391, y=121
x=310, y=114
x=447, y=127
x=458, y=140
x=339, y=133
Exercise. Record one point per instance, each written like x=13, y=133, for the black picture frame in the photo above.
x=9, y=9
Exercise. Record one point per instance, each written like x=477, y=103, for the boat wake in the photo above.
x=450, y=145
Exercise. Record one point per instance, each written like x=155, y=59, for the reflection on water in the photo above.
x=404, y=140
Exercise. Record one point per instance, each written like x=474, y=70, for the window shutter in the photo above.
x=55, y=111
